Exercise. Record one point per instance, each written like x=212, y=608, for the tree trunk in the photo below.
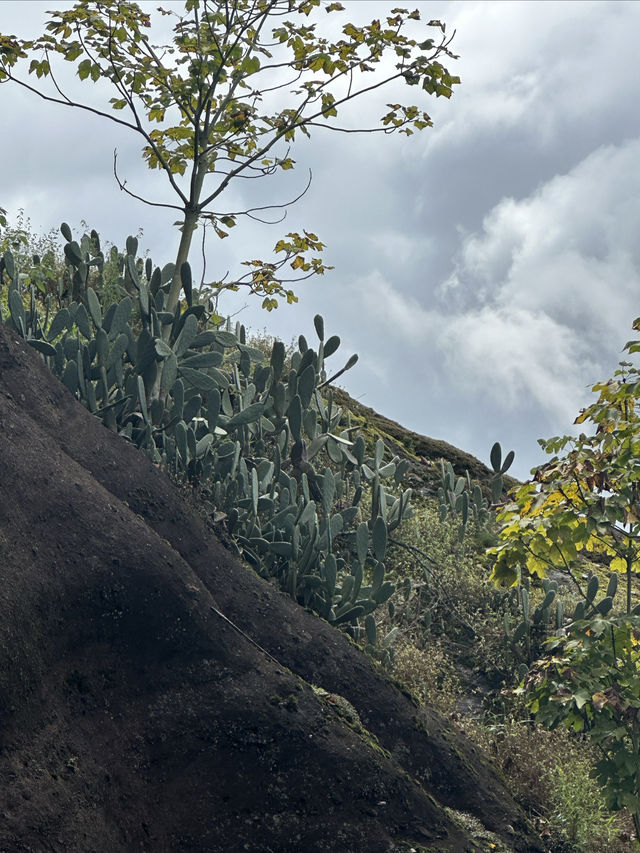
x=191, y=216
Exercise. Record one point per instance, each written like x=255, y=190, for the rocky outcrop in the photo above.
x=157, y=695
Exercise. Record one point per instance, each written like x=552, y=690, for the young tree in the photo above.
x=586, y=500
x=226, y=97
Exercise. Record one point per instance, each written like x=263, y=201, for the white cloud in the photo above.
x=525, y=194
x=545, y=294
x=522, y=67
x=518, y=358
x=385, y=309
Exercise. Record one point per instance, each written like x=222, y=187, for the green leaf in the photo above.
x=180, y=433
x=187, y=335
x=203, y=360
x=95, y=309
x=379, y=538
x=331, y=345
x=350, y=615
x=330, y=572
x=371, y=629
x=496, y=457
x=306, y=385
x=17, y=311
x=169, y=374
x=225, y=339
x=507, y=462
x=247, y=416
x=198, y=379
x=592, y=588
x=70, y=376
x=282, y=549
x=43, y=347
x=82, y=322
x=162, y=349
x=318, y=322
x=73, y=253
x=384, y=593
x=142, y=397
x=203, y=445
x=580, y=697
x=120, y=318
x=362, y=541
x=294, y=414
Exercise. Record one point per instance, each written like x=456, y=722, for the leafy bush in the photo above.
x=429, y=673
x=584, y=502
x=549, y=773
x=444, y=594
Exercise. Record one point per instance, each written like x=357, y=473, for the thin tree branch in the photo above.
x=69, y=103
x=249, y=210
x=123, y=187
x=419, y=556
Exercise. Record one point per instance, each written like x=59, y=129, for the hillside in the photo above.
x=425, y=453
x=157, y=695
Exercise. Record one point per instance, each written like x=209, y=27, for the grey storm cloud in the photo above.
x=486, y=269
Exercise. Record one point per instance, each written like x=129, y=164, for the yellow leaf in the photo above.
x=599, y=700
x=537, y=566
x=618, y=564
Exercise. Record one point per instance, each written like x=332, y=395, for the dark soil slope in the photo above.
x=411, y=445
x=135, y=716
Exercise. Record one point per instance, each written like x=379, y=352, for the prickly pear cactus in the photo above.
x=271, y=454
x=525, y=637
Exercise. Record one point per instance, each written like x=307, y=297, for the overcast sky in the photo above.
x=487, y=270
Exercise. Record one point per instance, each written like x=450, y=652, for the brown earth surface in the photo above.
x=425, y=452
x=135, y=717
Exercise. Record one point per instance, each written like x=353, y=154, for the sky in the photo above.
x=487, y=269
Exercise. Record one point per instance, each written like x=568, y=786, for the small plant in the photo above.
x=578, y=818
x=549, y=773
x=590, y=682
x=462, y=501
x=429, y=673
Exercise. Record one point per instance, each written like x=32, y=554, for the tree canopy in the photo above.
x=226, y=97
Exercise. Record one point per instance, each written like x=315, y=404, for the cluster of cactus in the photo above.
x=263, y=439
x=548, y=617
x=500, y=467
x=459, y=499
x=533, y=626
x=380, y=648
x=462, y=501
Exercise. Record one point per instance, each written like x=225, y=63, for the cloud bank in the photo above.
x=546, y=291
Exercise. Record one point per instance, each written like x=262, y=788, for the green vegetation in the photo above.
x=582, y=509
x=309, y=496
x=207, y=406
x=503, y=612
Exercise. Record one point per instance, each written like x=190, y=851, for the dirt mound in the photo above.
x=156, y=695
